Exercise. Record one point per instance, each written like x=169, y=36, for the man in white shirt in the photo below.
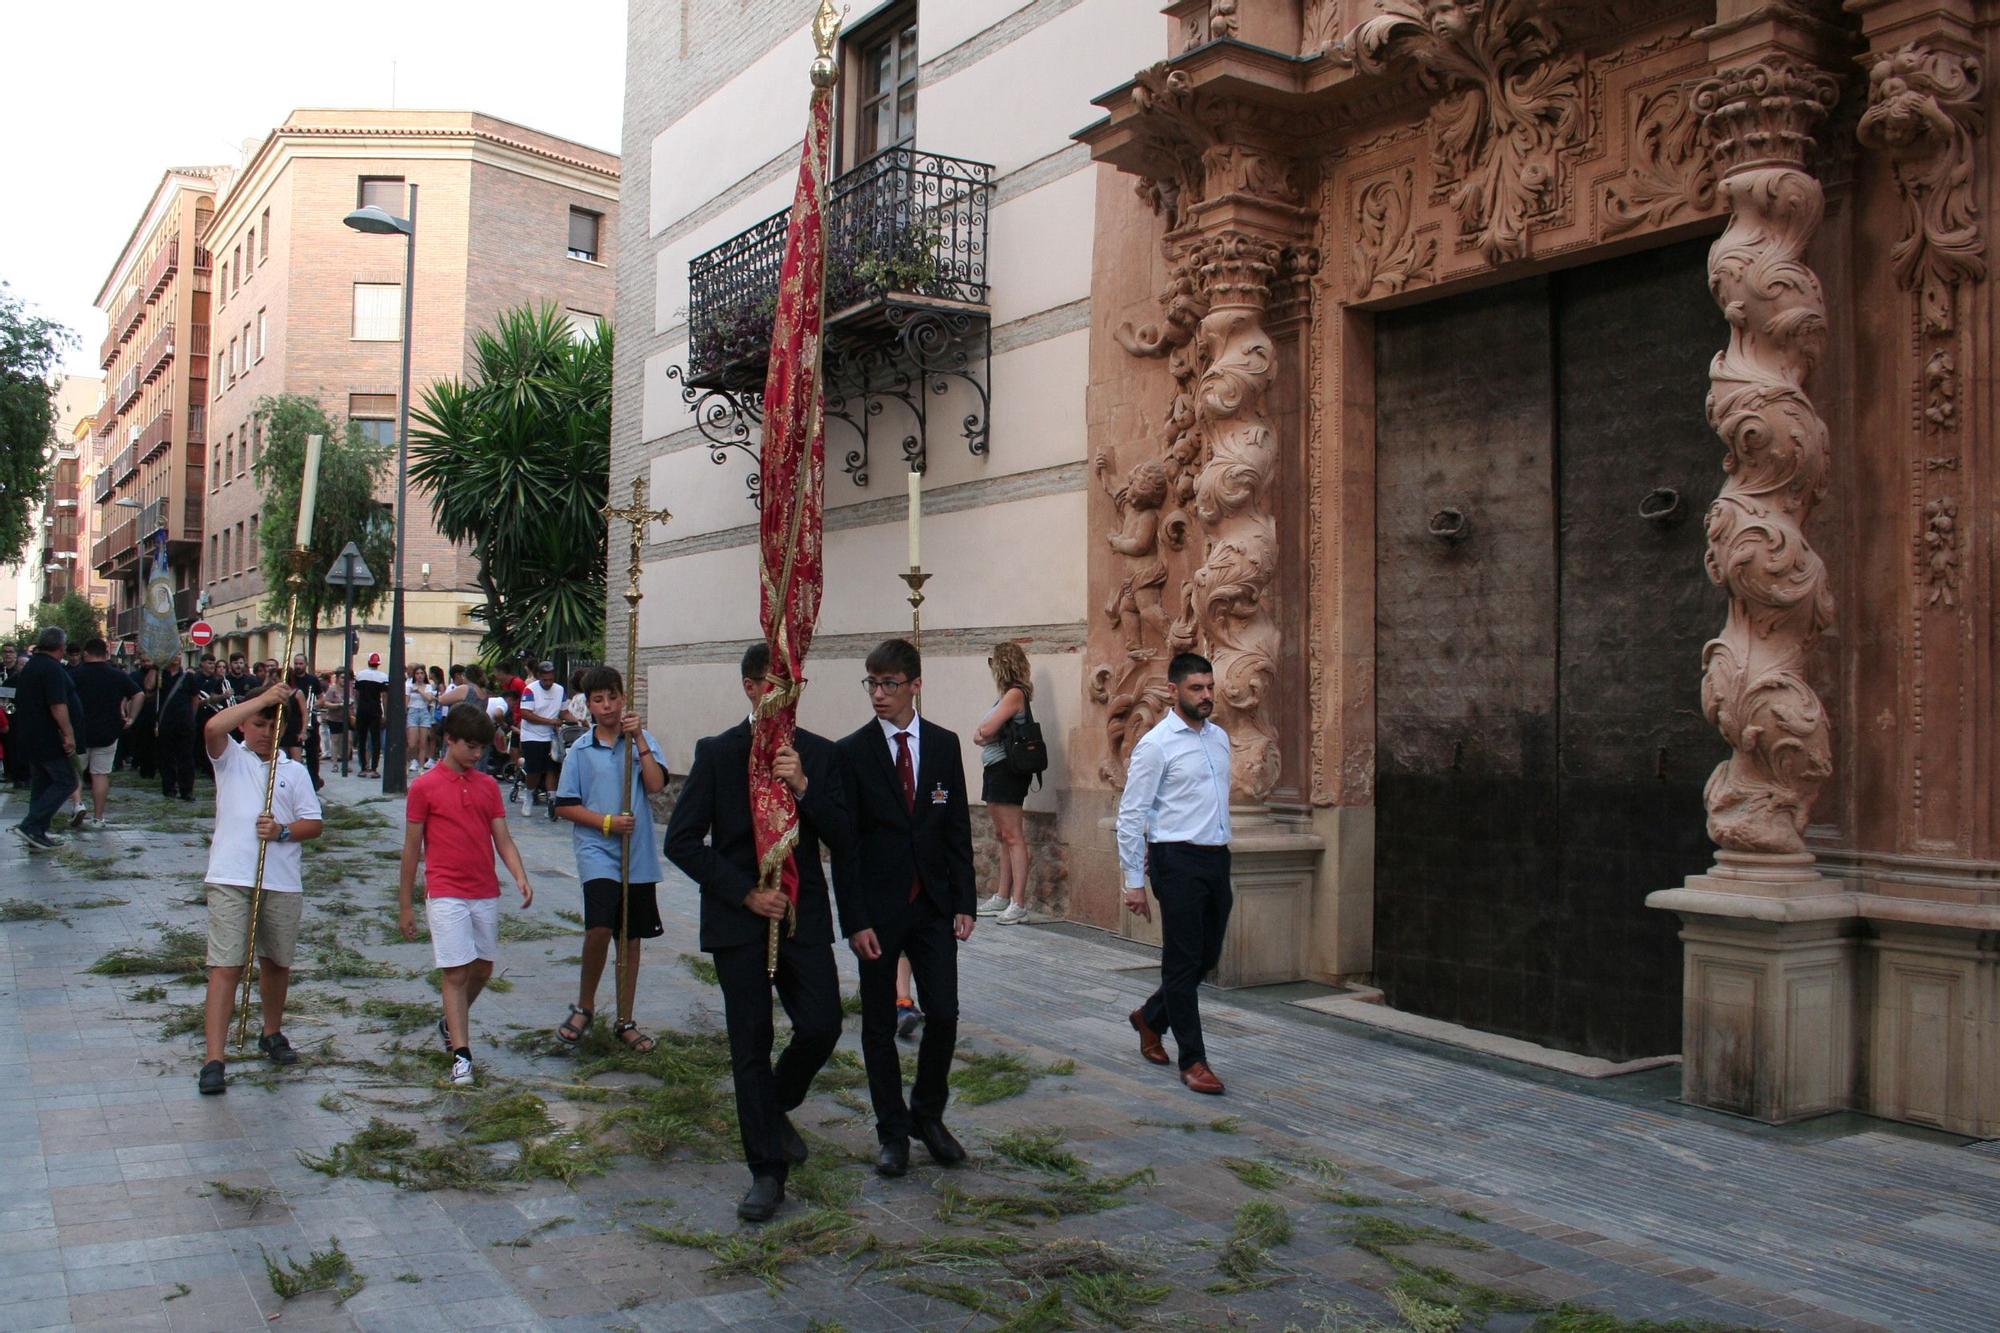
x=242, y=828
x=541, y=714
x=1173, y=821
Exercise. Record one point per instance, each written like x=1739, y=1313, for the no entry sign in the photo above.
x=201, y=634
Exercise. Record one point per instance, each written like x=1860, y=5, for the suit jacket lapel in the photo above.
x=884, y=766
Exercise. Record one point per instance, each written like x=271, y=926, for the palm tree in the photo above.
x=516, y=461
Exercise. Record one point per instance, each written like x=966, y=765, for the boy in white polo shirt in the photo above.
x=455, y=822
x=241, y=768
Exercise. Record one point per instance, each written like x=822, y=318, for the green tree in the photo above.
x=74, y=615
x=516, y=462
x=351, y=469
x=30, y=347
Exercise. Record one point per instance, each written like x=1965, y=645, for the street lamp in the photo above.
x=377, y=221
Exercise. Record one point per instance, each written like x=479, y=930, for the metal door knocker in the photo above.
x=1662, y=505
x=1450, y=526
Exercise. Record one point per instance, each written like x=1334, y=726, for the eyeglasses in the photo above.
x=885, y=683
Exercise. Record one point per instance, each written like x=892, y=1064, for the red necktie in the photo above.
x=907, y=771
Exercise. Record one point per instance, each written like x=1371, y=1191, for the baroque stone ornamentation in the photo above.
x=1941, y=551
x=1759, y=120
x=1509, y=107
x=1321, y=27
x=1388, y=253
x=1941, y=390
x=1924, y=112
x=1135, y=691
x=1670, y=171
x=1225, y=605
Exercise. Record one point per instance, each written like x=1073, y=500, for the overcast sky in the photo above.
x=101, y=96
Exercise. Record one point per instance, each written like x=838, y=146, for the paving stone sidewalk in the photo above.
x=1416, y=1184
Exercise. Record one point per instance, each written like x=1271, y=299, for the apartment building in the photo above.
x=305, y=305
x=152, y=425
x=64, y=524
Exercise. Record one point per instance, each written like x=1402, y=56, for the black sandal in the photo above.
x=571, y=1032
x=643, y=1046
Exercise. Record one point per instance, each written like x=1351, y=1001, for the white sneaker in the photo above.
x=94, y=824
x=461, y=1072
x=1014, y=915
x=993, y=906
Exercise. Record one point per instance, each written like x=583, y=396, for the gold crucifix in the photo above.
x=638, y=516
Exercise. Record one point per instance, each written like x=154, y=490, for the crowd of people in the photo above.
x=887, y=807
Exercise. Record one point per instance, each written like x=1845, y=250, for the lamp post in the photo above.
x=395, y=756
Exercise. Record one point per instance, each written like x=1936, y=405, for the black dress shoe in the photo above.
x=791, y=1141
x=894, y=1159
x=944, y=1149
x=761, y=1203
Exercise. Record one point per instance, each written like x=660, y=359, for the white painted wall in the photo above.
x=745, y=124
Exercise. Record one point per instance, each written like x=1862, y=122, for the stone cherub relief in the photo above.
x=1134, y=690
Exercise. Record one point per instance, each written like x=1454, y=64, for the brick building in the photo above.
x=506, y=216
x=153, y=426
x=65, y=522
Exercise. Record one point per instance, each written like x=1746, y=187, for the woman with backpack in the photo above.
x=1005, y=786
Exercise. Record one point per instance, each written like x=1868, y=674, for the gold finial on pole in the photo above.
x=826, y=28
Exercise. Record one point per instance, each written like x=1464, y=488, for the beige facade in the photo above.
x=153, y=426
x=305, y=305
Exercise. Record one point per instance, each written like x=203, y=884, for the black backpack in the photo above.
x=1027, y=757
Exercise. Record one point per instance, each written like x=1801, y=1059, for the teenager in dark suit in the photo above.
x=906, y=890
x=711, y=839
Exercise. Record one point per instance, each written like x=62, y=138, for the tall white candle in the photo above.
x=916, y=516
x=309, y=493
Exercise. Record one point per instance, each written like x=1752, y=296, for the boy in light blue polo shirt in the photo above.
x=592, y=795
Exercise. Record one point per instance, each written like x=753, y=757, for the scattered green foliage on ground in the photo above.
x=180, y=1289
x=401, y=1016
x=1254, y=1174
x=765, y=1253
x=178, y=950
x=1038, y=1150
x=527, y=1238
x=324, y=1270
x=22, y=909
x=92, y=904
x=1227, y=1124
x=1063, y=1197
x=1258, y=1227
x=253, y=1197
x=516, y=928
x=984, y=1077
x=702, y=969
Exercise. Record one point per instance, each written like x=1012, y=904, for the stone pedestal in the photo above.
x=1272, y=869
x=1768, y=988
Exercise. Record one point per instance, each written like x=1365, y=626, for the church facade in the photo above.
x=1567, y=429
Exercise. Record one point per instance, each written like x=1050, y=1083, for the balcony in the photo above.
x=159, y=433
x=190, y=533
x=100, y=489
x=904, y=230
x=124, y=465
x=114, y=550
x=204, y=269
x=159, y=354
x=151, y=517
x=184, y=605
x=123, y=325
x=128, y=389
x=125, y=623
x=198, y=419
x=164, y=266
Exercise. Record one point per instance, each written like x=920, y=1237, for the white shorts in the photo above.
x=463, y=929
x=101, y=757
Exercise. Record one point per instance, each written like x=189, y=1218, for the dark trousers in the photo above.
x=809, y=989
x=927, y=941
x=174, y=753
x=144, y=747
x=17, y=766
x=1191, y=884
x=368, y=743
x=50, y=781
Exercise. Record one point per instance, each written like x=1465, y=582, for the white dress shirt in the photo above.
x=889, y=730
x=1176, y=790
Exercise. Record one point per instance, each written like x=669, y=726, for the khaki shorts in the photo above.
x=101, y=757
x=278, y=917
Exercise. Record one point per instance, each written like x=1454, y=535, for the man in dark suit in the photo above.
x=711, y=839
x=906, y=890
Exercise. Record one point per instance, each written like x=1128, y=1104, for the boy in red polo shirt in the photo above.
x=455, y=822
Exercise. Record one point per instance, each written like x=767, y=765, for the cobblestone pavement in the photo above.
x=1348, y=1181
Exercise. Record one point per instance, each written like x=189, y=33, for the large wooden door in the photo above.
x=1542, y=465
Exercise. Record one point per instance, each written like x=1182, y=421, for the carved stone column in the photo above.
x=1768, y=990
x=1226, y=608
x=1759, y=119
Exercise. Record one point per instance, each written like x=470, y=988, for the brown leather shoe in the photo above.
x=1149, y=1040
x=1200, y=1078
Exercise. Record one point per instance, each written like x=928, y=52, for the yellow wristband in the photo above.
x=607, y=826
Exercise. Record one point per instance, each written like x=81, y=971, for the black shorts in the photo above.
x=1003, y=786
x=601, y=910
x=535, y=760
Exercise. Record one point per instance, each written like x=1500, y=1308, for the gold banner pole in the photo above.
x=638, y=516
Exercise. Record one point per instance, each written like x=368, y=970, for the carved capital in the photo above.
x=1764, y=114
x=1924, y=113
x=1203, y=148
x=1508, y=110
x=1236, y=268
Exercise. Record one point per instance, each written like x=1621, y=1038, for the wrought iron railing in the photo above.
x=100, y=489
x=157, y=354
x=124, y=465
x=163, y=266
x=904, y=225
x=159, y=433
x=126, y=622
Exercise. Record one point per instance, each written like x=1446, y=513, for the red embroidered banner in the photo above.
x=792, y=489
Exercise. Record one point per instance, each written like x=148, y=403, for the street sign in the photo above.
x=350, y=569
x=201, y=634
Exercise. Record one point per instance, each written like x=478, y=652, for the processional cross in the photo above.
x=638, y=516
